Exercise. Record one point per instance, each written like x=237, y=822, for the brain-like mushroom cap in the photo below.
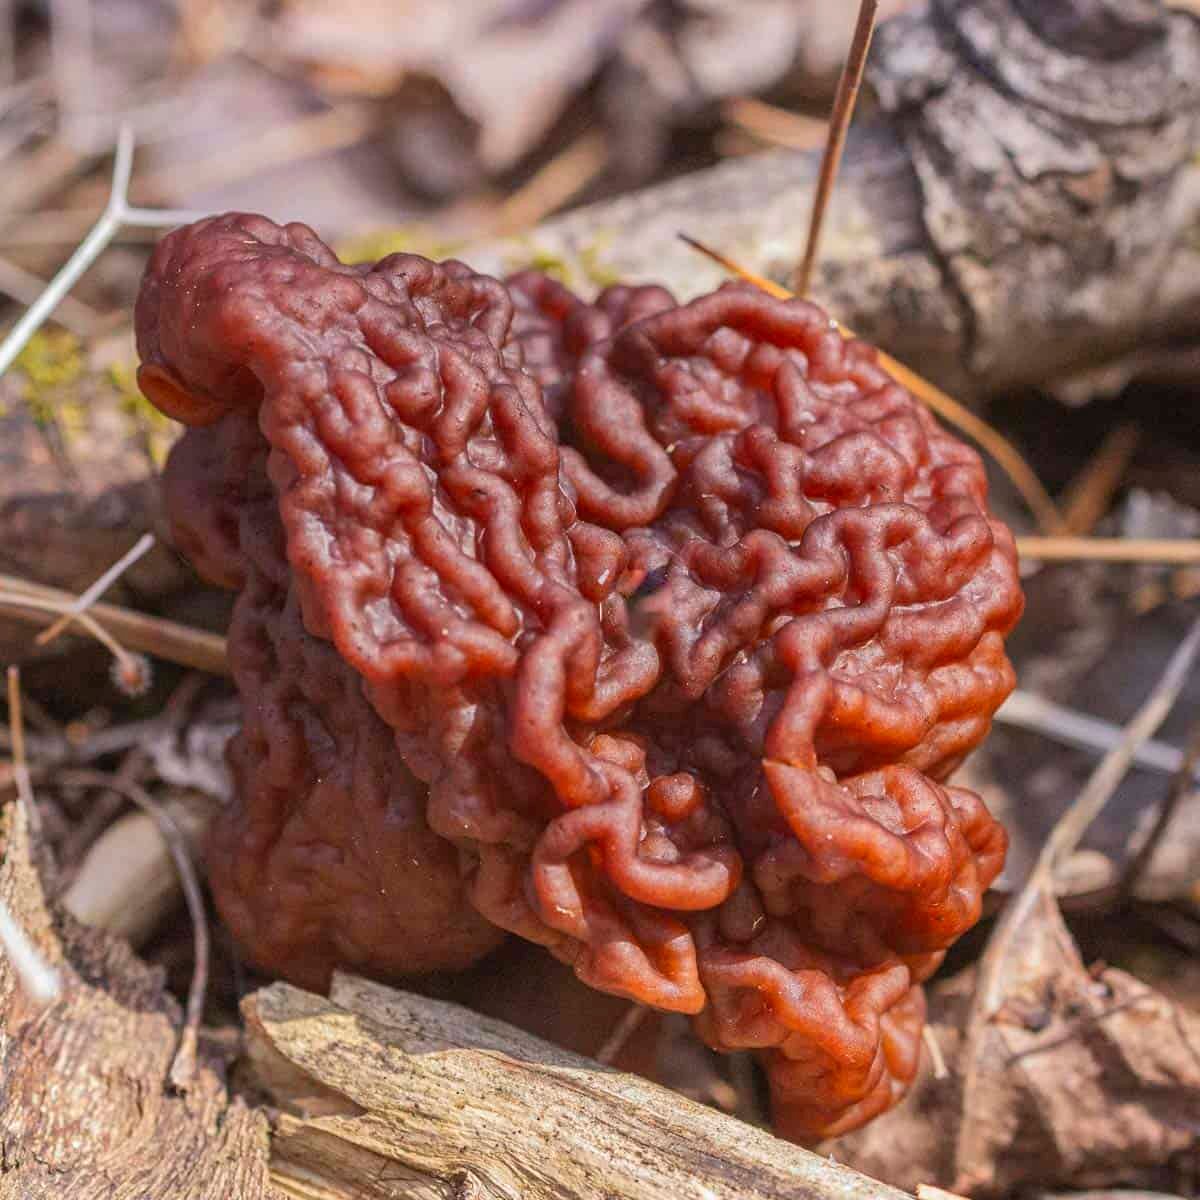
x=681, y=614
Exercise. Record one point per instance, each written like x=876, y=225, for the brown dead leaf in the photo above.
x=1081, y=1078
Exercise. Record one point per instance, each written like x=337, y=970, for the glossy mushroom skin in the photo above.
x=680, y=615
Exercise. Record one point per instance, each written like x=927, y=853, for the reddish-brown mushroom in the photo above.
x=645, y=631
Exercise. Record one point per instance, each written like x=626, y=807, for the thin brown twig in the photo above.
x=1182, y=785
x=1115, y=550
x=624, y=1029
x=1089, y=495
x=129, y=771
x=1008, y=457
x=39, y=979
x=18, y=602
x=1073, y=824
x=151, y=635
x=16, y=726
x=849, y=85
x=775, y=126
x=183, y=1066
x=551, y=186
x=93, y=593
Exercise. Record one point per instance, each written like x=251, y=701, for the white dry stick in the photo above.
x=1063, y=839
x=1026, y=710
x=39, y=980
x=937, y=1060
x=89, y=597
x=24, y=287
x=117, y=212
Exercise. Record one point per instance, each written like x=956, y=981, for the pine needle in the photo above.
x=848, y=88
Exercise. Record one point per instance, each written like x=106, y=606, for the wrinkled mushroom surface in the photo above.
x=648, y=632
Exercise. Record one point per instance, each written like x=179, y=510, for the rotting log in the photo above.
x=1025, y=204
x=86, y=1111
x=385, y=1094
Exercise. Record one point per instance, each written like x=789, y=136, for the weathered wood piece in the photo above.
x=1025, y=204
x=386, y=1094
x=85, y=1107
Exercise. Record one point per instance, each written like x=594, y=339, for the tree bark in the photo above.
x=387, y=1094
x=85, y=1107
x=1025, y=202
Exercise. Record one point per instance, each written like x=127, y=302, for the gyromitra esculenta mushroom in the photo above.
x=648, y=632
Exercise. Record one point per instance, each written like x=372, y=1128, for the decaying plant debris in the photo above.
x=1016, y=215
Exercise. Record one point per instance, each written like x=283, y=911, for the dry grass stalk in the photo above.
x=87, y=598
x=167, y=640
x=937, y=1060
x=1026, y=710
x=37, y=977
x=1175, y=551
x=776, y=126
x=624, y=1029
x=848, y=88
x=131, y=673
x=550, y=187
x=184, y=1065
x=1090, y=494
x=1073, y=824
x=1182, y=785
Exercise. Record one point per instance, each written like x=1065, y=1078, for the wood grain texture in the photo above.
x=379, y=1085
x=85, y=1108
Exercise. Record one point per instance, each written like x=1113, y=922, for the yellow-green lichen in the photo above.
x=585, y=270
x=151, y=428
x=50, y=368
x=406, y=239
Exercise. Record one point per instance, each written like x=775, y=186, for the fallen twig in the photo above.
x=1115, y=550
x=1182, y=785
x=624, y=1029
x=127, y=882
x=554, y=184
x=1089, y=495
x=1025, y=710
x=151, y=635
x=88, y=597
x=108, y=804
x=774, y=125
x=1074, y=822
x=16, y=726
x=130, y=675
x=937, y=1060
x=848, y=88
x=39, y=979
x=116, y=213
